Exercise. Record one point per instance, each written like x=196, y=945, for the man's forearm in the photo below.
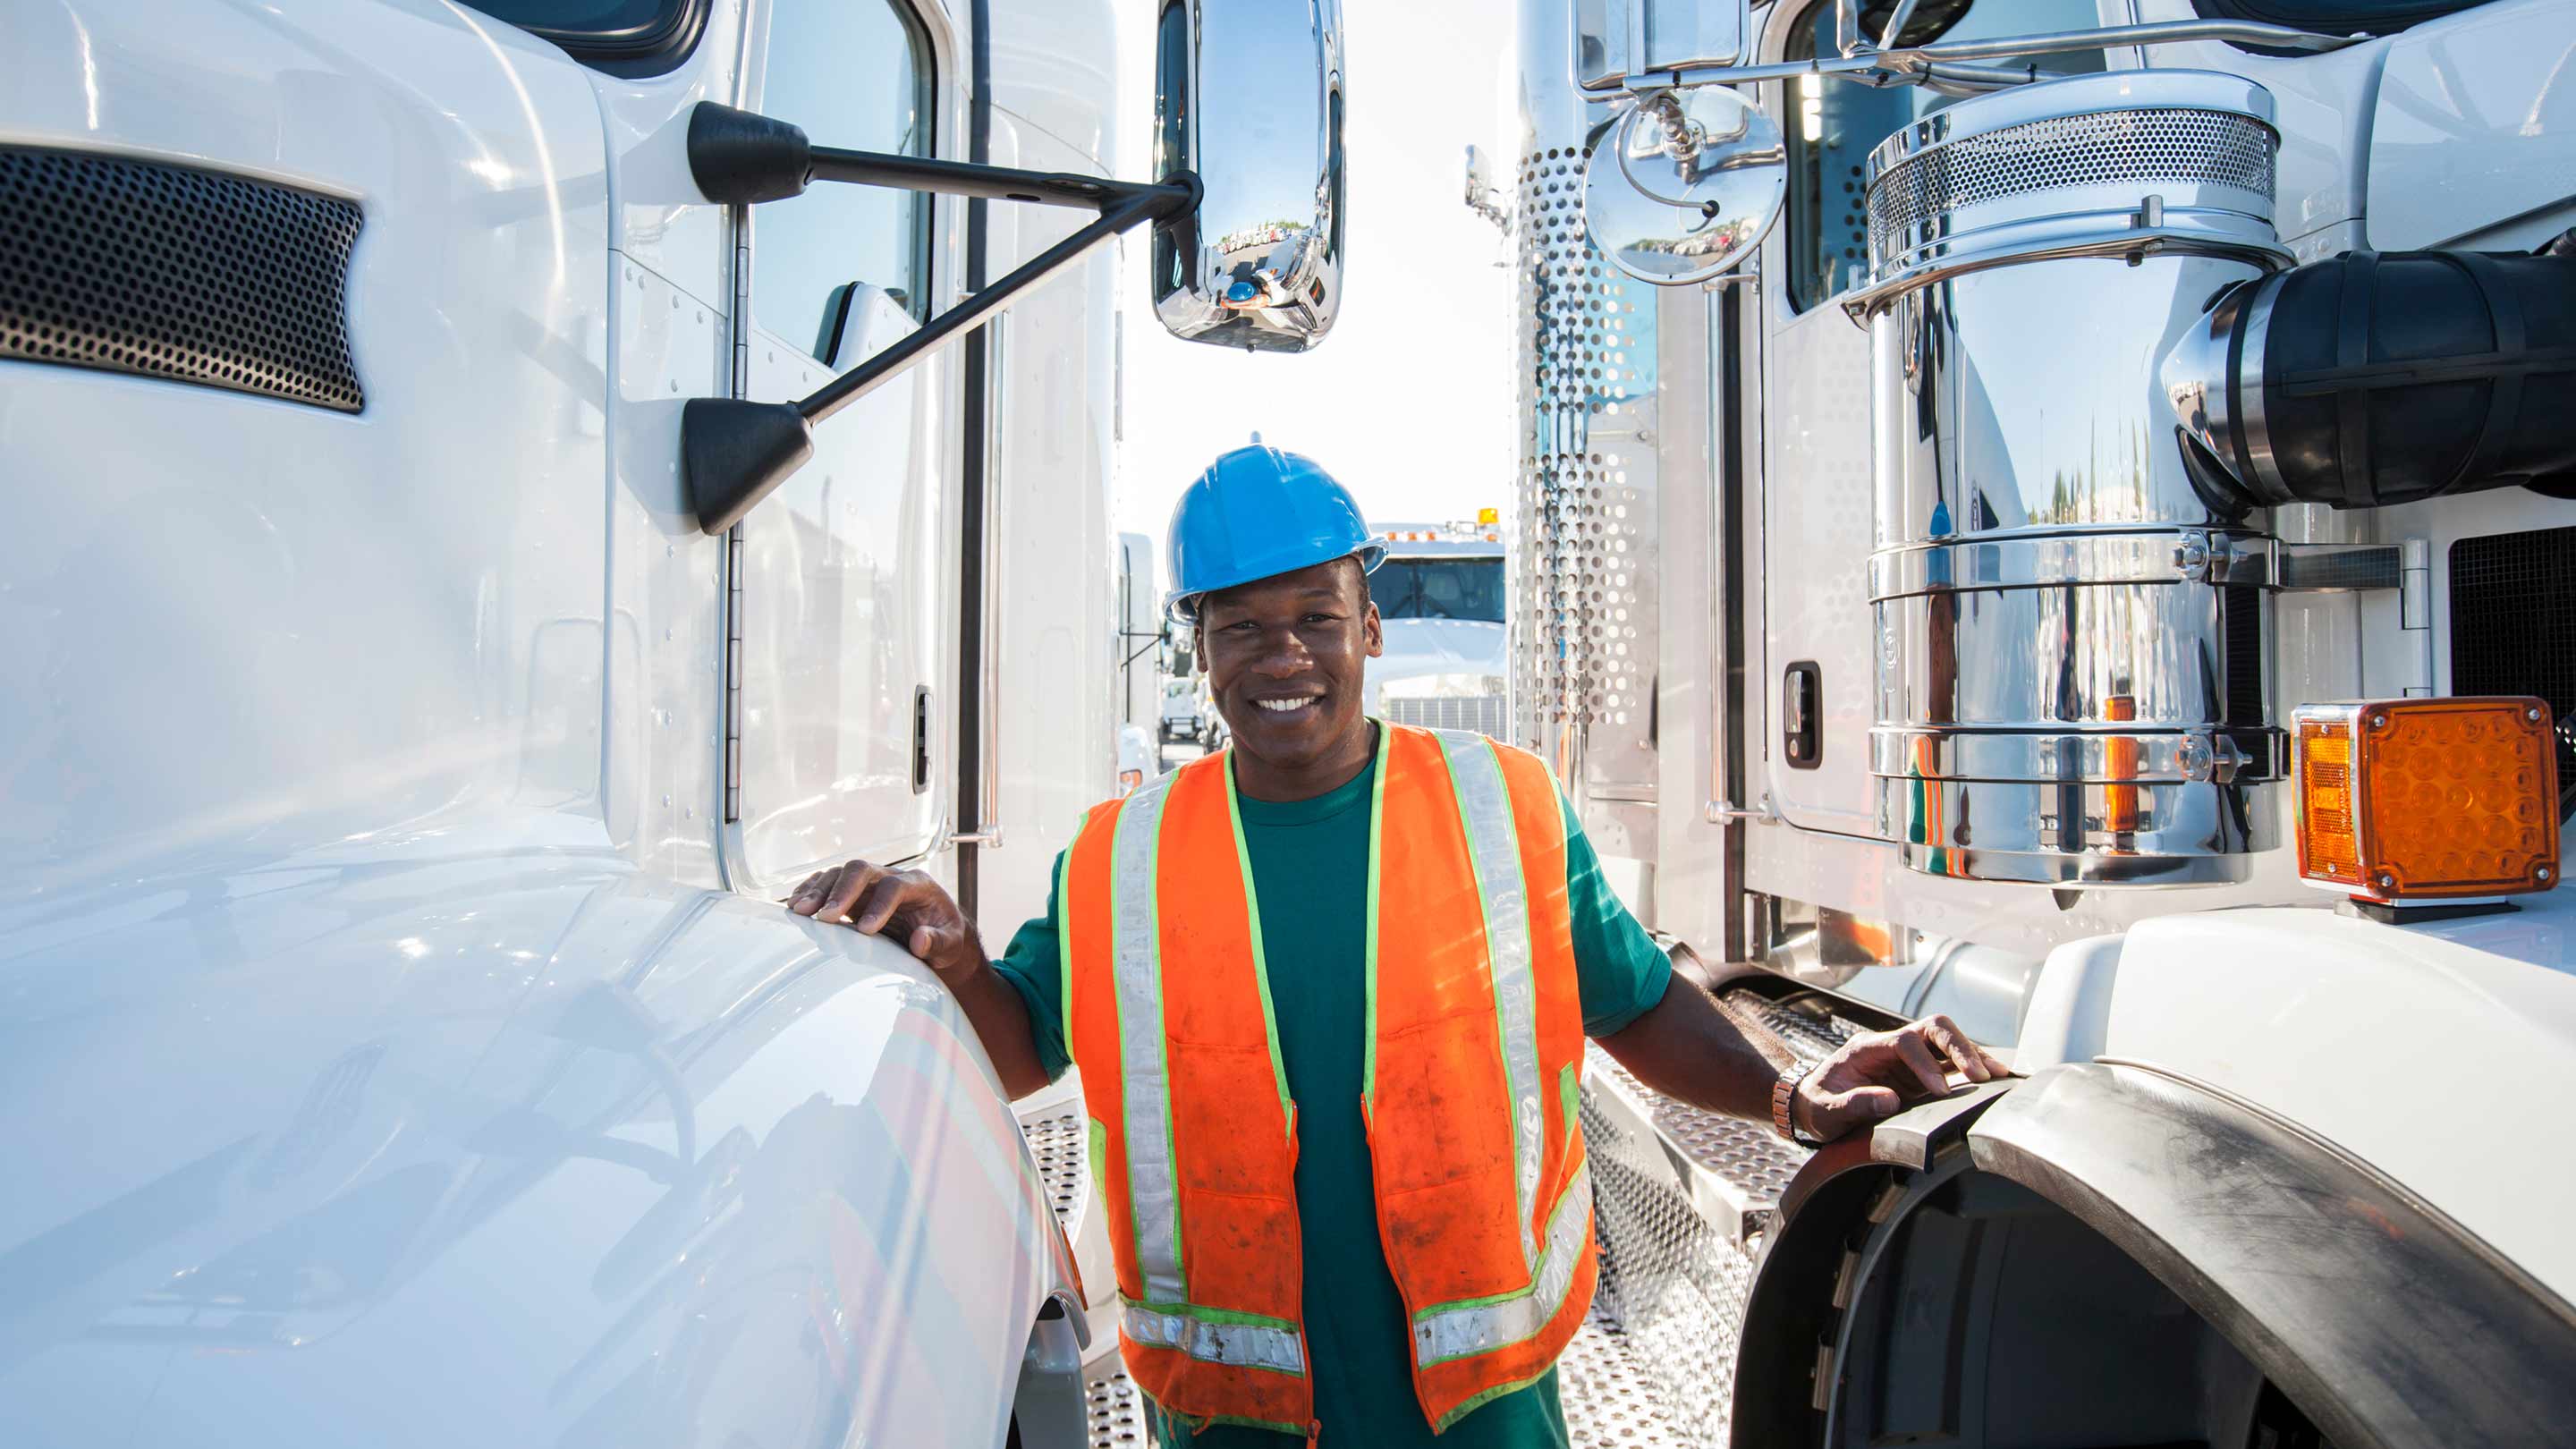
x=1001, y=1022
x=1686, y=1048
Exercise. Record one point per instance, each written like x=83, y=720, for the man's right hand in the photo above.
x=904, y=906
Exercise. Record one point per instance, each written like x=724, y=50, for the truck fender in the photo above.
x=2384, y=1321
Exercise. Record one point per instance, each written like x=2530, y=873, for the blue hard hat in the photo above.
x=1256, y=512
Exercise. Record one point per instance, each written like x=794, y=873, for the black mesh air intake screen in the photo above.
x=176, y=273
x=2513, y=626
x=2244, y=603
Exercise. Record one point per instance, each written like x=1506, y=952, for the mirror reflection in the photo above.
x=1248, y=97
x=1685, y=187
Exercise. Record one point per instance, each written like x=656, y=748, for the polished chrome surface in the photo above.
x=1921, y=64
x=2215, y=385
x=2121, y=164
x=1585, y=557
x=1685, y=186
x=2258, y=434
x=2197, y=555
x=1617, y=39
x=2071, y=641
x=1257, y=116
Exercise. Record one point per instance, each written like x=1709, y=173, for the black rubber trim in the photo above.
x=2330, y=17
x=2388, y=1324
x=177, y=273
x=657, y=47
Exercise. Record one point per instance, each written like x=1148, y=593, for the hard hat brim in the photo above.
x=1184, y=608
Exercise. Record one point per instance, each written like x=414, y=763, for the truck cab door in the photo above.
x=836, y=658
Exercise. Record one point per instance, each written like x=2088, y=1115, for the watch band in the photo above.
x=1784, y=1093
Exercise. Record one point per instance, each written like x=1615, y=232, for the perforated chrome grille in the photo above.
x=171, y=272
x=1583, y=580
x=2175, y=147
x=1063, y=1152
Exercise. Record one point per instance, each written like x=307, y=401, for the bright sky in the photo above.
x=1409, y=401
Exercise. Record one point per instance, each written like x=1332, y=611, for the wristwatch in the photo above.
x=1784, y=1095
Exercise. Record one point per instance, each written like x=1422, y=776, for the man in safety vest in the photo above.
x=1329, y=990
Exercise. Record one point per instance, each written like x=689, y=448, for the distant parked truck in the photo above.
x=1440, y=594
x=1181, y=719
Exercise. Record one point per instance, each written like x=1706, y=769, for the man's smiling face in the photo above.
x=1284, y=658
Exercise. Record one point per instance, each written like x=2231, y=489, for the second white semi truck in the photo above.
x=2060, y=512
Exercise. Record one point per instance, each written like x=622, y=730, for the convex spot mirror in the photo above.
x=1248, y=98
x=1685, y=186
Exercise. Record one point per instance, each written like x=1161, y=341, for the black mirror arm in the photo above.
x=734, y=452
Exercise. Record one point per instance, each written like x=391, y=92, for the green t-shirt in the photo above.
x=1310, y=873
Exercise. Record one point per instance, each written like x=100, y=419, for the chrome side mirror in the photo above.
x=1616, y=39
x=1248, y=98
x=1686, y=185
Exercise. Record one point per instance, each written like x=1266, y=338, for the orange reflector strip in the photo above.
x=2428, y=797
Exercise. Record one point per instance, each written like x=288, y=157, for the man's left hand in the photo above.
x=1879, y=1073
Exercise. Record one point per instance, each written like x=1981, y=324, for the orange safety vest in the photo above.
x=1475, y=1032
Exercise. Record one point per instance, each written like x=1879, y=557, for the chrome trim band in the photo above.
x=2055, y=753
x=1862, y=303
x=2247, y=384
x=2052, y=560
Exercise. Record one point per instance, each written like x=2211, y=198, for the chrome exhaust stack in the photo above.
x=2072, y=651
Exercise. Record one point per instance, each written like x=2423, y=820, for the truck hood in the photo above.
x=1416, y=648
x=482, y=1133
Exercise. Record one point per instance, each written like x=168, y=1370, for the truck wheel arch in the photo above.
x=2382, y=1321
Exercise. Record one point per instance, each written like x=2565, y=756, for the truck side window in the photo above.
x=855, y=74
x=1833, y=125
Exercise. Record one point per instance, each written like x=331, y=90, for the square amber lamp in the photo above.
x=2427, y=798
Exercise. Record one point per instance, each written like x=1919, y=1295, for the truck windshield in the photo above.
x=1439, y=588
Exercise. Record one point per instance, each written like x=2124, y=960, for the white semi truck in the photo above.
x=1440, y=596
x=501, y=492
x=2060, y=512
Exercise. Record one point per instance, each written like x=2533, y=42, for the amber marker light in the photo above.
x=2427, y=798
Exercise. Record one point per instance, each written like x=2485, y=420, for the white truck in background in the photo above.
x=1140, y=645
x=2059, y=512
x=1440, y=596
x=446, y=611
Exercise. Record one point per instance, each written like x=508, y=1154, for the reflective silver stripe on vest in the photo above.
x=1450, y=1333
x=1485, y=803
x=1153, y=1192
x=1252, y=1344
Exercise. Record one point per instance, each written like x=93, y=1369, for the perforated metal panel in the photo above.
x=2513, y=628
x=1584, y=585
x=1063, y=1153
x=176, y=273
x=2183, y=147
x=1116, y=1408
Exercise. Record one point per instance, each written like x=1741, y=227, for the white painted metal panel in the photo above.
x=2307, y=1014
x=1053, y=456
x=235, y=620
x=2476, y=125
